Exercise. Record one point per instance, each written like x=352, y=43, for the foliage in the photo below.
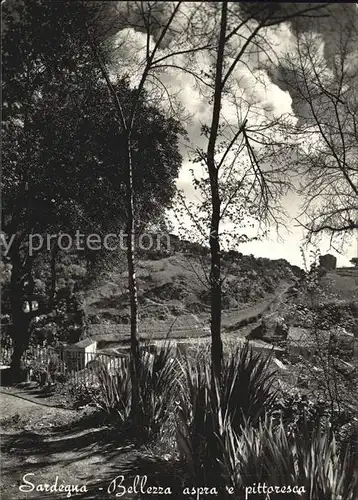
x=245, y=387
x=329, y=342
x=157, y=382
x=158, y=385
x=206, y=410
x=44, y=368
x=267, y=454
x=94, y=200
x=81, y=394
x=299, y=414
x=63, y=150
x=221, y=445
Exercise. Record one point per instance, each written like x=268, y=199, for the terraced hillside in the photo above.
x=174, y=296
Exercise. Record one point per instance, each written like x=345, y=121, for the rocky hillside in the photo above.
x=91, y=292
x=175, y=288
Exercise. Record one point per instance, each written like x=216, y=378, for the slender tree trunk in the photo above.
x=215, y=271
x=132, y=280
x=21, y=338
x=52, y=291
x=127, y=127
x=215, y=288
x=21, y=269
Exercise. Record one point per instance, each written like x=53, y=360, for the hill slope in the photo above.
x=174, y=294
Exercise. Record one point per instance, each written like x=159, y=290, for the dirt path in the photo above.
x=234, y=321
x=51, y=442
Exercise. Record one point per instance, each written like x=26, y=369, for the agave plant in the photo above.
x=195, y=418
x=209, y=408
x=246, y=391
x=158, y=387
x=268, y=455
x=157, y=381
x=257, y=455
x=326, y=472
x=114, y=395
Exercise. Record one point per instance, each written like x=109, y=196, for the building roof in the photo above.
x=85, y=343
x=81, y=344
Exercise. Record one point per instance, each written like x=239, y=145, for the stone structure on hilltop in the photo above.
x=328, y=261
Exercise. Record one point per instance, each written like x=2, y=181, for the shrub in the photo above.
x=113, y=396
x=246, y=386
x=81, y=394
x=301, y=414
x=227, y=439
x=44, y=368
x=158, y=388
x=195, y=419
x=267, y=454
x=206, y=409
x=157, y=380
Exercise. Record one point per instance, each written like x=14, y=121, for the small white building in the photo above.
x=78, y=355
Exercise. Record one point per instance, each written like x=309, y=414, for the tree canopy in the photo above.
x=64, y=166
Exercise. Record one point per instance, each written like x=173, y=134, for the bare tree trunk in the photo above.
x=132, y=280
x=215, y=288
x=21, y=338
x=215, y=269
x=52, y=291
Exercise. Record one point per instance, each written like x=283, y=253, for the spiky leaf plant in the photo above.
x=158, y=386
x=269, y=455
x=209, y=407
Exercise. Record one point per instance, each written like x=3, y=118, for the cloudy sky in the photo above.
x=255, y=93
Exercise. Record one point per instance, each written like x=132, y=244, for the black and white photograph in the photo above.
x=179, y=250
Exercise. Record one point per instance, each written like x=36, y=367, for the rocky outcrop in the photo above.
x=271, y=328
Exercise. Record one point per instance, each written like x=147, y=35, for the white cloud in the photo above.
x=254, y=94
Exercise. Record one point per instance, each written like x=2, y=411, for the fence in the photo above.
x=50, y=364
x=84, y=367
